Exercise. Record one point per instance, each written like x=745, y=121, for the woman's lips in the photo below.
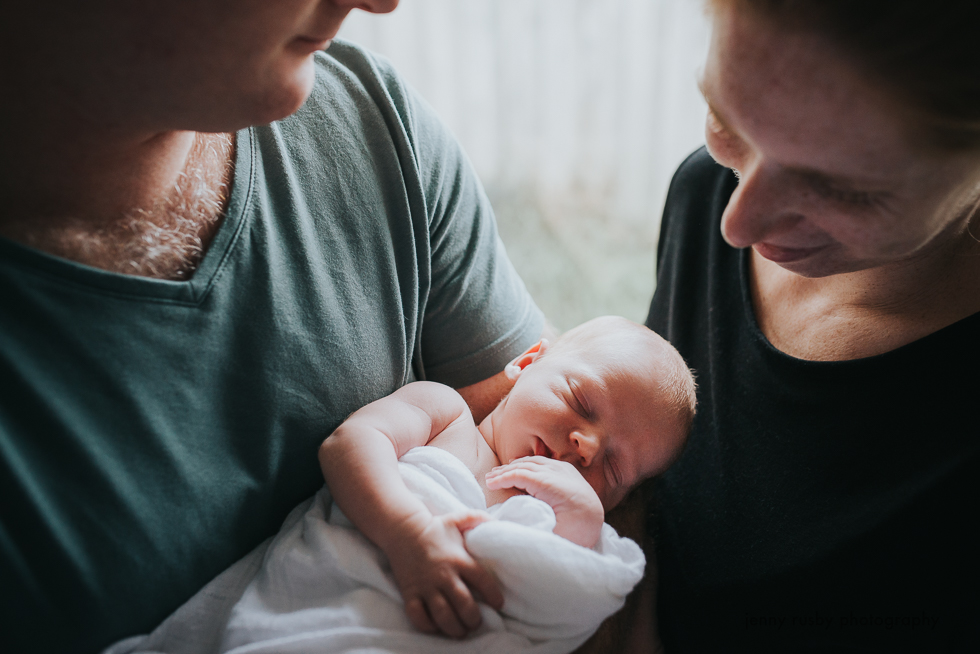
x=779, y=254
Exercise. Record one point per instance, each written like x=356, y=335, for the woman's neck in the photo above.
x=868, y=312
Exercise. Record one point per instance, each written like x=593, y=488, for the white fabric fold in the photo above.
x=323, y=587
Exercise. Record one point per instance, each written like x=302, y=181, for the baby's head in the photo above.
x=610, y=397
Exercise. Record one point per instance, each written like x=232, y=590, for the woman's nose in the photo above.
x=584, y=448
x=759, y=209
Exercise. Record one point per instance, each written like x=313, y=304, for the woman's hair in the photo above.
x=924, y=52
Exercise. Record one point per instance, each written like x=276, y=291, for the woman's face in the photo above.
x=832, y=179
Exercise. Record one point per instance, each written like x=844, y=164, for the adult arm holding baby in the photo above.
x=360, y=464
x=587, y=419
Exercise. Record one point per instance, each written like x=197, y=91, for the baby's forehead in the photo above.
x=608, y=341
x=632, y=358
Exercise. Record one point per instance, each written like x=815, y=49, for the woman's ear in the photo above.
x=514, y=369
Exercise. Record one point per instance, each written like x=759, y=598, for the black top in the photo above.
x=818, y=506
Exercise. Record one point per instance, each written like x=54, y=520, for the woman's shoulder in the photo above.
x=696, y=199
x=698, y=170
x=701, y=177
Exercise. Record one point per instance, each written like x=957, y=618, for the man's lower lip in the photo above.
x=777, y=254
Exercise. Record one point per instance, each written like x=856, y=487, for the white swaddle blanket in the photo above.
x=323, y=587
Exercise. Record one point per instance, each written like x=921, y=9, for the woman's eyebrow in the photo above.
x=812, y=176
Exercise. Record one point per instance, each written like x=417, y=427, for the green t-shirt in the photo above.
x=152, y=432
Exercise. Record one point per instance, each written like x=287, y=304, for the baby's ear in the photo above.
x=514, y=369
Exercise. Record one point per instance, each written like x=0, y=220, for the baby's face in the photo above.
x=613, y=426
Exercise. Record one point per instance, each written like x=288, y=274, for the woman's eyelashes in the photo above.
x=724, y=146
x=855, y=198
x=727, y=148
x=851, y=197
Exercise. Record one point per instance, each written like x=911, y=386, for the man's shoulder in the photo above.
x=362, y=109
x=353, y=80
x=357, y=61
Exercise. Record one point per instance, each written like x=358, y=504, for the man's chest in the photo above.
x=161, y=238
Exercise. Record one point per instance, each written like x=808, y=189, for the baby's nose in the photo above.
x=584, y=447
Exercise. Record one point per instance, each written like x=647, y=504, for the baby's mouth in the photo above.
x=540, y=449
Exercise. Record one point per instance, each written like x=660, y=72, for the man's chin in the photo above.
x=260, y=108
x=291, y=95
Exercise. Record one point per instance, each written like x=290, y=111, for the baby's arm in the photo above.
x=430, y=564
x=578, y=510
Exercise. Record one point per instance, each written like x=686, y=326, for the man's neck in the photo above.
x=144, y=204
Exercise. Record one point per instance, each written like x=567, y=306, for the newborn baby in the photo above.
x=608, y=405
x=589, y=417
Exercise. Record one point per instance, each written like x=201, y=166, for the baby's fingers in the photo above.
x=485, y=584
x=462, y=601
x=466, y=520
x=529, y=480
x=419, y=617
x=443, y=615
x=526, y=462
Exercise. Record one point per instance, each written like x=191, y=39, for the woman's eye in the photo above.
x=723, y=146
x=715, y=126
x=859, y=198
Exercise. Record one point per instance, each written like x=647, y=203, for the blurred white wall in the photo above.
x=575, y=114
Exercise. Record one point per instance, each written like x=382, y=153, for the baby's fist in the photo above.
x=578, y=509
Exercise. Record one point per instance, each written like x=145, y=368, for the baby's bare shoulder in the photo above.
x=442, y=404
x=425, y=394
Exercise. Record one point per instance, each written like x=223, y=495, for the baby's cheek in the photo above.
x=598, y=484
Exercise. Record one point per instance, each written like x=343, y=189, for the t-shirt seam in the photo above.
x=243, y=219
x=198, y=298
x=504, y=343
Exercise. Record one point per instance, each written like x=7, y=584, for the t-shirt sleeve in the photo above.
x=478, y=314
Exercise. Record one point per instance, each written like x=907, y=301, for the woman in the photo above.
x=827, y=294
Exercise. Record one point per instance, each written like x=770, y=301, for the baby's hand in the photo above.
x=436, y=575
x=578, y=510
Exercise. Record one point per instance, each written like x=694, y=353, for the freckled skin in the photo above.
x=861, y=232
x=825, y=159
